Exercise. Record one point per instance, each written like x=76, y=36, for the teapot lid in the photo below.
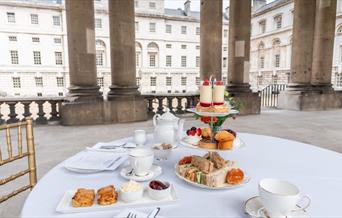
x=168, y=115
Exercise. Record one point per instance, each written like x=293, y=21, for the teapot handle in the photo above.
x=155, y=119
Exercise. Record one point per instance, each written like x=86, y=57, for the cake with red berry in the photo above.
x=212, y=97
x=193, y=136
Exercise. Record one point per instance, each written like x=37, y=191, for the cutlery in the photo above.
x=112, y=146
x=154, y=213
x=131, y=215
x=130, y=173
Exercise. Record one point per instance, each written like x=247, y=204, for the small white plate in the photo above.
x=153, y=173
x=253, y=206
x=237, y=144
x=212, y=114
x=226, y=186
x=64, y=205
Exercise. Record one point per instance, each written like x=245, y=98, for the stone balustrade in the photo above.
x=44, y=110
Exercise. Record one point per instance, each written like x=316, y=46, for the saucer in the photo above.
x=152, y=173
x=253, y=207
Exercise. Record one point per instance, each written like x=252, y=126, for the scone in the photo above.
x=83, y=198
x=225, y=140
x=206, y=133
x=107, y=195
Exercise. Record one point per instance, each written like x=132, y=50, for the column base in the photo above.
x=83, y=94
x=120, y=110
x=250, y=101
x=311, y=100
x=118, y=91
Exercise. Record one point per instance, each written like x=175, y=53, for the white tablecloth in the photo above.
x=317, y=172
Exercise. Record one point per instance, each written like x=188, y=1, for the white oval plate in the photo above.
x=237, y=144
x=227, y=186
x=154, y=172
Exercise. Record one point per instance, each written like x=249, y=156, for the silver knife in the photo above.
x=154, y=213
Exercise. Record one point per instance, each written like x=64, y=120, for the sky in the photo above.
x=195, y=4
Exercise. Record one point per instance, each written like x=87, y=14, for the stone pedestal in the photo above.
x=250, y=101
x=120, y=110
x=310, y=100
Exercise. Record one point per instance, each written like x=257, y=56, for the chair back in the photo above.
x=21, y=153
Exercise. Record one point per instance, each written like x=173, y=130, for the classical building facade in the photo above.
x=34, y=47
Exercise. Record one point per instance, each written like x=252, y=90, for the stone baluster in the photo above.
x=2, y=121
x=41, y=119
x=27, y=112
x=150, y=105
x=211, y=39
x=160, y=109
x=54, y=113
x=169, y=103
x=12, y=115
x=179, y=105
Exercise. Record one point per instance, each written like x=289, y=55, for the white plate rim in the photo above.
x=212, y=114
x=242, y=145
x=246, y=180
x=157, y=172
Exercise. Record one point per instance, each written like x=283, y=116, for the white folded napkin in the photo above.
x=96, y=161
x=119, y=149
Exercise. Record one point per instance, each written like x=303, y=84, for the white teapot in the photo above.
x=167, y=128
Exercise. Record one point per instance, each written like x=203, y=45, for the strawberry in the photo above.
x=192, y=132
x=199, y=131
x=188, y=132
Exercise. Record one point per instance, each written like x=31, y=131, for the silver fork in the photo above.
x=112, y=146
x=131, y=215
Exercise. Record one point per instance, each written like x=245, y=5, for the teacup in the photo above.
x=141, y=160
x=279, y=197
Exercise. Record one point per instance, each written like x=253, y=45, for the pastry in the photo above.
x=83, y=198
x=218, y=93
x=225, y=140
x=107, y=195
x=206, y=133
x=226, y=145
x=235, y=176
x=205, y=94
x=207, y=144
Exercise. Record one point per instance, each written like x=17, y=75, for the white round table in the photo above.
x=316, y=171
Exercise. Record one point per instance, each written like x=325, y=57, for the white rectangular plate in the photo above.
x=64, y=205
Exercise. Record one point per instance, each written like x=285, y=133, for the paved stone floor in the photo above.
x=56, y=143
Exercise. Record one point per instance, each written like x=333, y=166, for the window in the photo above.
x=168, y=61
x=224, y=62
x=60, y=82
x=183, y=46
x=98, y=23
x=152, y=27
x=58, y=57
x=168, y=81
x=99, y=58
x=136, y=4
x=34, y=19
x=197, y=47
x=39, y=81
x=10, y=17
x=35, y=39
x=198, y=81
x=12, y=38
x=224, y=80
x=100, y=81
x=14, y=57
x=39, y=94
x=153, y=81
x=152, y=60
x=277, y=21
x=224, y=48
x=152, y=5
x=198, y=31
x=262, y=62
x=339, y=30
x=183, y=61
x=16, y=82
x=138, y=79
x=168, y=28
x=225, y=33
x=56, y=20
x=136, y=26
x=183, y=29
x=37, y=58
x=277, y=60
x=197, y=61
x=60, y=94
x=168, y=46
x=183, y=81
x=137, y=59
x=262, y=26
x=340, y=53
x=57, y=40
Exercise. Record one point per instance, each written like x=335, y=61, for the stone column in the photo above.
x=122, y=47
x=302, y=46
x=211, y=39
x=311, y=59
x=84, y=102
x=81, y=51
x=239, y=52
x=323, y=44
x=124, y=100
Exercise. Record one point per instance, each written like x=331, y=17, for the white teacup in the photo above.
x=279, y=197
x=141, y=160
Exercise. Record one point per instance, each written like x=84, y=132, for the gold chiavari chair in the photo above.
x=30, y=154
